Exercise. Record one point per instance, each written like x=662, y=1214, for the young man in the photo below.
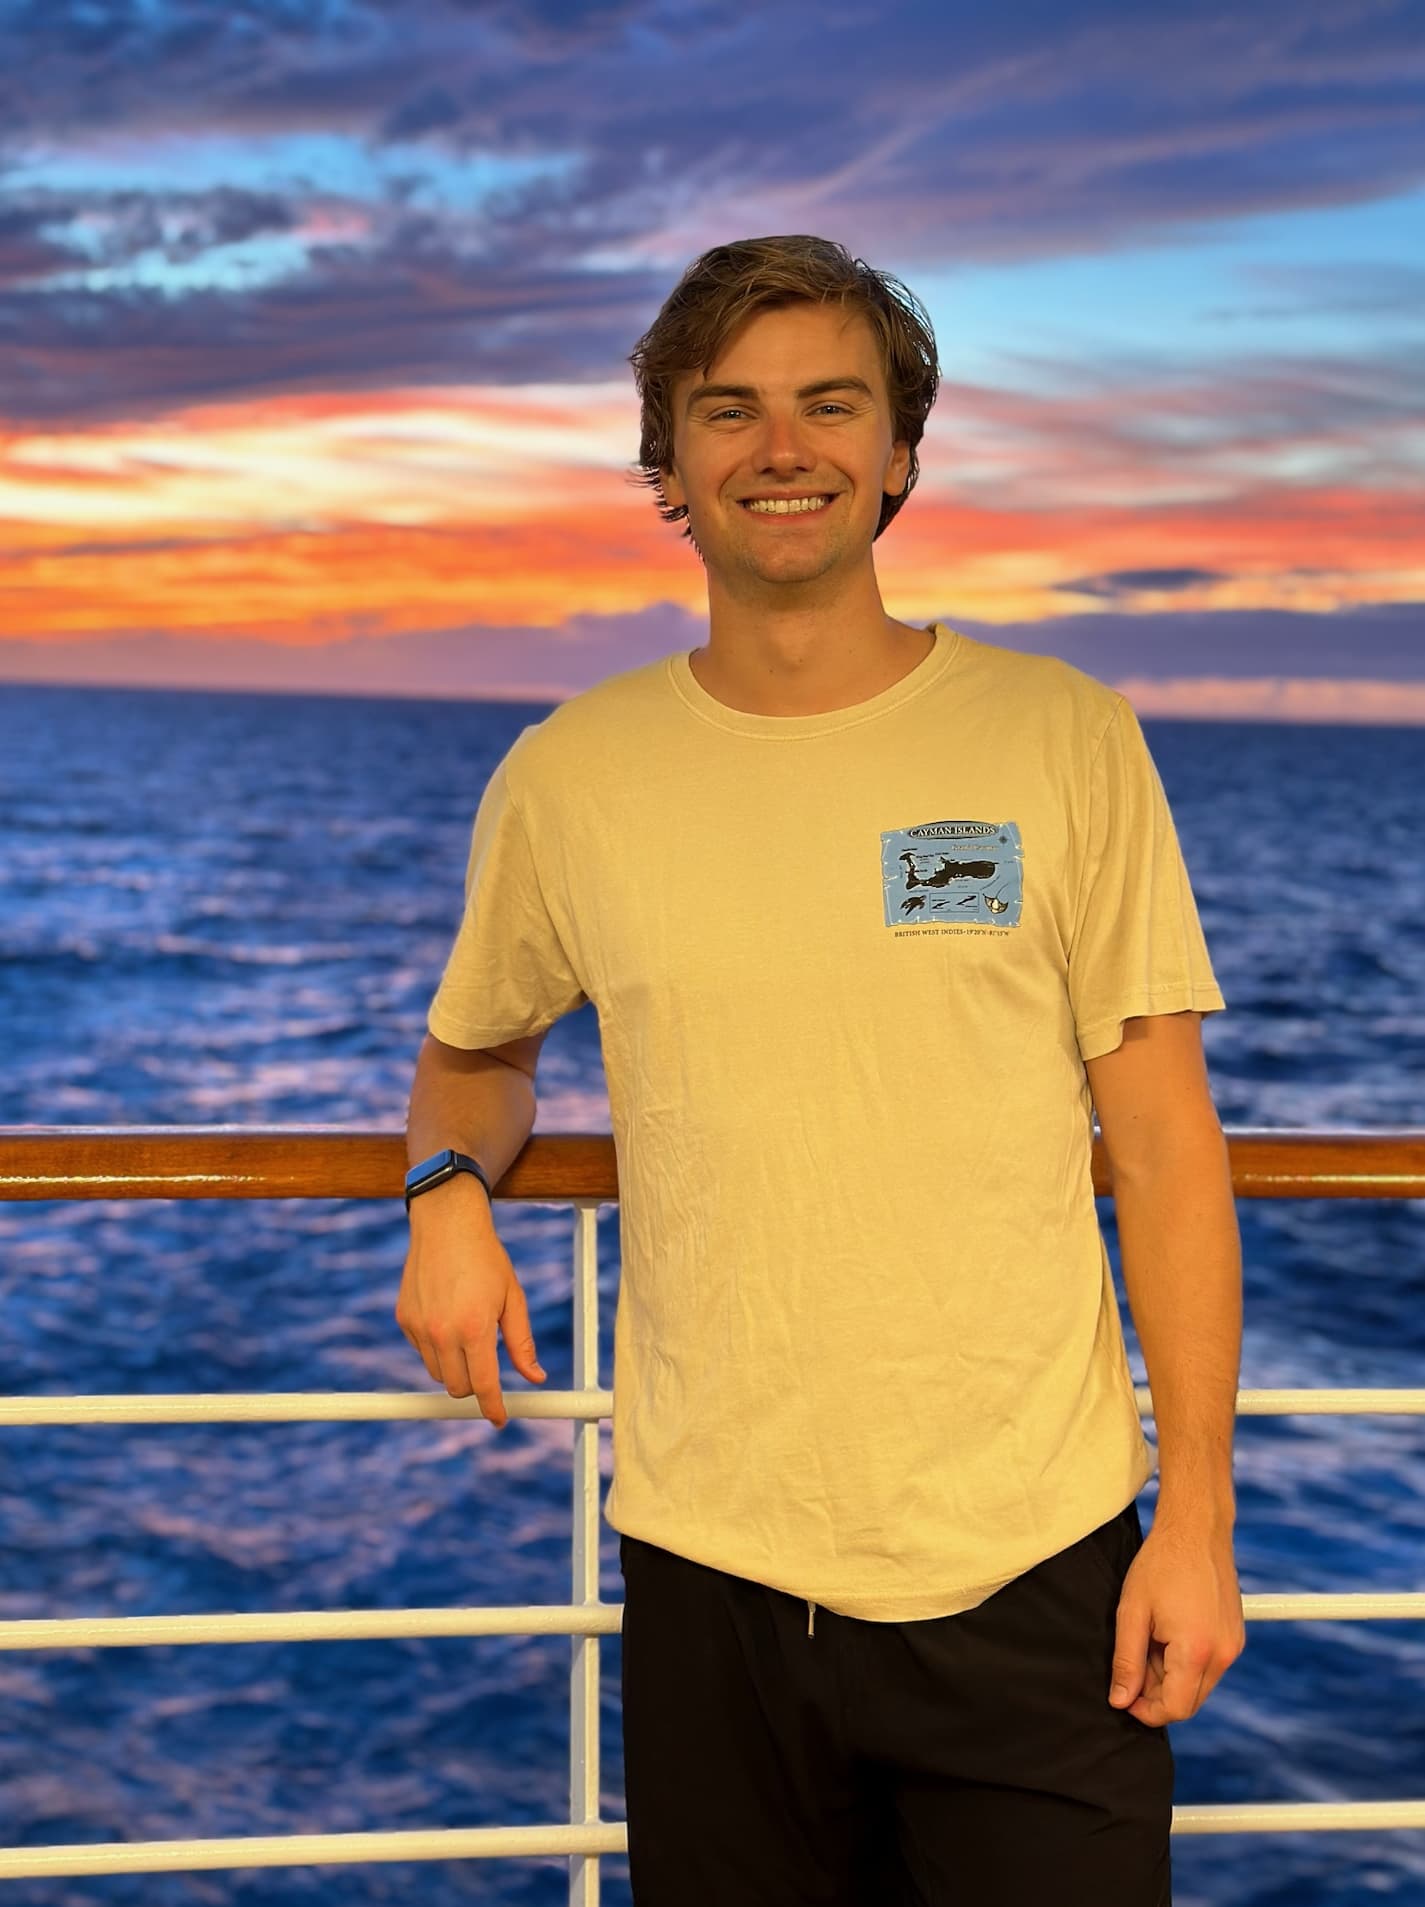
x=873, y=915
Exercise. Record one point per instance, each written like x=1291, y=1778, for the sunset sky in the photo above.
x=316, y=317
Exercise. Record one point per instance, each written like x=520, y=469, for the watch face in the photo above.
x=429, y=1167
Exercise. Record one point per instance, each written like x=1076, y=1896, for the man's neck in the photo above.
x=757, y=680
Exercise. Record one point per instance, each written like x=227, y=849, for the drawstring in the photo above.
x=811, y=1616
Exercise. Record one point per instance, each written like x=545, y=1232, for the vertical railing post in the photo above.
x=584, y=1653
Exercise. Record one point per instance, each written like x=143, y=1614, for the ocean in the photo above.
x=235, y=907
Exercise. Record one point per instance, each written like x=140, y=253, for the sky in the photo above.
x=315, y=321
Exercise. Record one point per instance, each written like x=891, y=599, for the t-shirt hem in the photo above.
x=1102, y=1035
x=475, y=1039
x=932, y=1605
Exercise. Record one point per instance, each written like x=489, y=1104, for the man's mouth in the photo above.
x=781, y=511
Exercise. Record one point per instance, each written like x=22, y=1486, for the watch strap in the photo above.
x=437, y=1169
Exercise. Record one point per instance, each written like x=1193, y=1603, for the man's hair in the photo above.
x=724, y=287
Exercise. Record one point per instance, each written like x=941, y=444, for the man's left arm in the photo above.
x=1180, y=1618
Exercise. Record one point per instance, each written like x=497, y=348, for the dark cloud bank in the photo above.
x=1378, y=643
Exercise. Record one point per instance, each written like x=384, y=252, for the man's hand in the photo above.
x=459, y=1292
x=1180, y=1625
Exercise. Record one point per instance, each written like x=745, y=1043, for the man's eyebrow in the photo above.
x=807, y=390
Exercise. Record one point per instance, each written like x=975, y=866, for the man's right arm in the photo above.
x=458, y=1288
x=480, y=1101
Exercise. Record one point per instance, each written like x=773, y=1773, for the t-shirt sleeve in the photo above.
x=508, y=975
x=1138, y=945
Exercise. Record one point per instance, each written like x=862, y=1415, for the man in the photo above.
x=873, y=917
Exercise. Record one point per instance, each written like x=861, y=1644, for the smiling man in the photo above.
x=784, y=478
x=873, y=916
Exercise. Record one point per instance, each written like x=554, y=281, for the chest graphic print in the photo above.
x=956, y=871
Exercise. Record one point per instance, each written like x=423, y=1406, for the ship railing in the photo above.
x=576, y=1170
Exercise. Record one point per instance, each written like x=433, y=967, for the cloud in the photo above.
x=1047, y=132
x=1125, y=582
x=1360, y=665
x=1378, y=642
x=222, y=227
x=1379, y=288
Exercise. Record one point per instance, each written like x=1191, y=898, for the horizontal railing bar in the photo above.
x=1317, y=1401
x=252, y=1407
x=1291, y=1817
x=310, y=1850
x=530, y=1619
x=233, y=1161
x=233, y=1407
x=318, y=1625
x=1362, y=1605
x=593, y=1837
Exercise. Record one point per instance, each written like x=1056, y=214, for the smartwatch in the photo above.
x=439, y=1167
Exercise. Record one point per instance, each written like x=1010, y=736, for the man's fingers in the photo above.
x=1130, y=1652
x=1184, y=1669
x=519, y=1338
x=1174, y=1694
x=453, y=1372
x=426, y=1352
x=485, y=1380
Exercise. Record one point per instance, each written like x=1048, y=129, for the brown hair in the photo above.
x=724, y=287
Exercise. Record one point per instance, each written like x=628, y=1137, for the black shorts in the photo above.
x=971, y=1760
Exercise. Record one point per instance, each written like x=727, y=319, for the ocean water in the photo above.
x=235, y=907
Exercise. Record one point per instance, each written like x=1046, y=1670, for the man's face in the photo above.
x=786, y=441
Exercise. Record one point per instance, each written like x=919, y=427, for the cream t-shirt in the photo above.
x=847, y=968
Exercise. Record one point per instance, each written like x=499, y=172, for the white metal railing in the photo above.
x=586, y=1838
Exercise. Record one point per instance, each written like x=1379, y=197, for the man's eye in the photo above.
x=737, y=407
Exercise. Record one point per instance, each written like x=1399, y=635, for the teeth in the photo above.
x=779, y=507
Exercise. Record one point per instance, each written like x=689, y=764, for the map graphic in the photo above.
x=953, y=871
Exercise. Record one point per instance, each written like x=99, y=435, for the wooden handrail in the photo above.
x=244, y=1162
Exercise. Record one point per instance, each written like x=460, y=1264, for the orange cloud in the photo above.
x=302, y=520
